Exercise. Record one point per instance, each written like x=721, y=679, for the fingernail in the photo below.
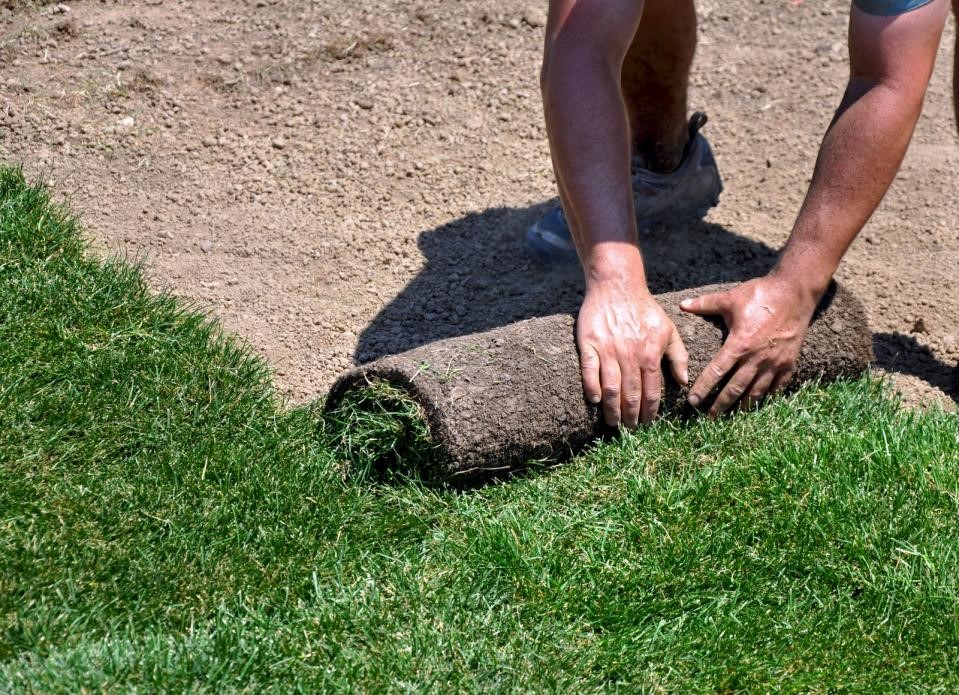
x=595, y=398
x=694, y=401
x=685, y=377
x=685, y=303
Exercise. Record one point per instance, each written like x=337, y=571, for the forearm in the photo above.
x=589, y=141
x=858, y=160
x=891, y=61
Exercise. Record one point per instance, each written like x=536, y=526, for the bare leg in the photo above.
x=655, y=77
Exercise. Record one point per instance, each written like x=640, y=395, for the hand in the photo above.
x=767, y=320
x=622, y=335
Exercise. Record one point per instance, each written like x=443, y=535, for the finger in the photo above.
x=612, y=388
x=652, y=394
x=632, y=396
x=678, y=358
x=734, y=389
x=707, y=305
x=781, y=382
x=714, y=373
x=757, y=390
x=589, y=365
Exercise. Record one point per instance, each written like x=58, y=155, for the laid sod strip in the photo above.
x=166, y=526
x=498, y=399
x=378, y=431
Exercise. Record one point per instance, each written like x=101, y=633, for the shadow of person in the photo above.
x=897, y=352
x=477, y=277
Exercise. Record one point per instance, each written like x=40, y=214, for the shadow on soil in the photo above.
x=897, y=352
x=477, y=277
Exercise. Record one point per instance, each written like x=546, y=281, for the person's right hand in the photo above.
x=622, y=334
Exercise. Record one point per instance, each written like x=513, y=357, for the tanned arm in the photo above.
x=622, y=333
x=891, y=61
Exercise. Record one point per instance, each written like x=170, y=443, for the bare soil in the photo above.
x=339, y=181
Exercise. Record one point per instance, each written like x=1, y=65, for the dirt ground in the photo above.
x=338, y=181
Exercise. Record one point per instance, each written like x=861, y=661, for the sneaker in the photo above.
x=681, y=196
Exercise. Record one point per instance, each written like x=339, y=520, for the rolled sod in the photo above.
x=493, y=402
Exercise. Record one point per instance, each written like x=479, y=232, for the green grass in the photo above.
x=167, y=525
x=379, y=432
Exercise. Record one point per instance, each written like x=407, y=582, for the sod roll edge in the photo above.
x=495, y=401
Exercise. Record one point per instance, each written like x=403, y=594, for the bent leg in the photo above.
x=655, y=77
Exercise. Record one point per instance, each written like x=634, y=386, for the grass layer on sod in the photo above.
x=166, y=524
x=380, y=432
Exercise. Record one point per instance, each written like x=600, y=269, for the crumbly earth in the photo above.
x=498, y=399
x=339, y=181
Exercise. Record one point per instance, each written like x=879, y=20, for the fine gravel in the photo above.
x=497, y=400
x=341, y=181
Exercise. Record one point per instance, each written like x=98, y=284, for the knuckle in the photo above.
x=649, y=363
x=736, y=390
x=633, y=400
x=611, y=393
x=741, y=349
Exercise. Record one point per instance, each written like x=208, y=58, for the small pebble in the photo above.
x=535, y=16
x=919, y=326
x=206, y=246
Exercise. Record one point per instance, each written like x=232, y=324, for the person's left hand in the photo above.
x=767, y=320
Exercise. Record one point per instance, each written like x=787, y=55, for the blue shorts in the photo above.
x=887, y=8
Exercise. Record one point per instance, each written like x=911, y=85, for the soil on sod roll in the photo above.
x=497, y=400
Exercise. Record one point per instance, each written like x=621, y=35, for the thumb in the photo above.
x=678, y=358
x=707, y=305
